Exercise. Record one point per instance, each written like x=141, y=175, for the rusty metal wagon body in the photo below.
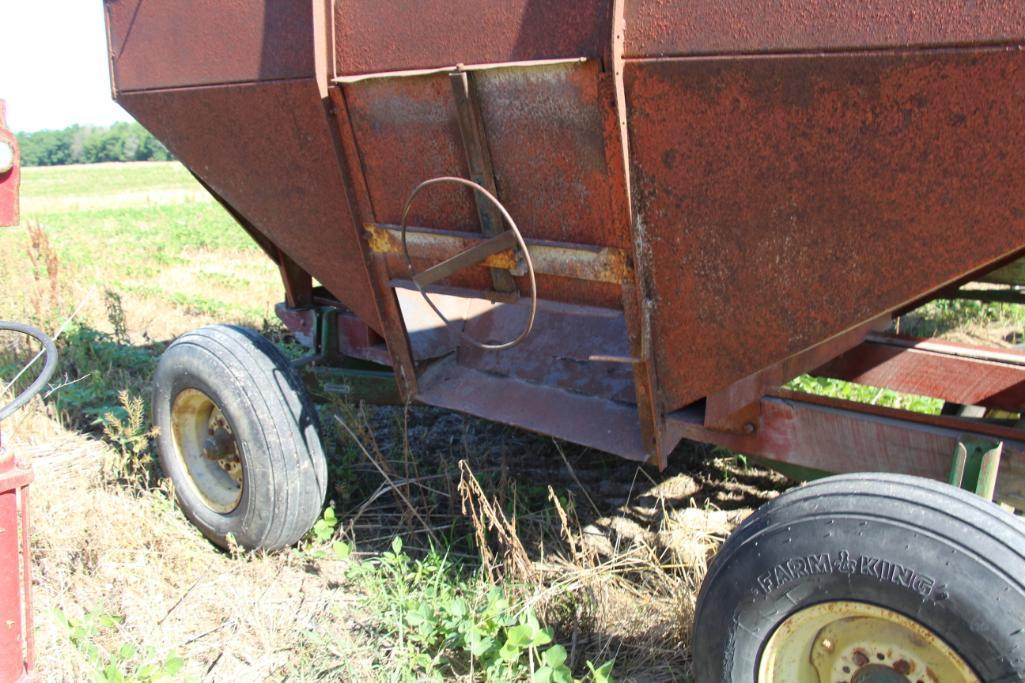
x=715, y=196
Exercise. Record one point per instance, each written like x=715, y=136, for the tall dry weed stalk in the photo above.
x=508, y=558
x=45, y=294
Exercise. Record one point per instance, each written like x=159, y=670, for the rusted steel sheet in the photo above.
x=735, y=407
x=407, y=130
x=197, y=42
x=569, y=348
x=359, y=199
x=478, y=159
x=606, y=425
x=581, y=262
x=266, y=149
x=392, y=35
x=952, y=372
x=546, y=136
x=784, y=200
x=546, y=131
x=840, y=436
x=656, y=28
x=10, y=172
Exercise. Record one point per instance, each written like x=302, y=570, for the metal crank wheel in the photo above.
x=505, y=240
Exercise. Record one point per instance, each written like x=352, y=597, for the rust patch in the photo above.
x=655, y=28
x=785, y=200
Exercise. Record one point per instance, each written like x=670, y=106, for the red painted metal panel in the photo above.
x=390, y=35
x=657, y=28
x=839, y=436
x=784, y=200
x=197, y=42
x=546, y=131
x=953, y=372
x=16, y=654
x=10, y=172
x=267, y=150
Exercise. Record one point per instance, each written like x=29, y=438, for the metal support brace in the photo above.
x=478, y=158
x=333, y=375
x=975, y=465
x=325, y=339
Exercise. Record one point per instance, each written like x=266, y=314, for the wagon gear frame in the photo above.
x=685, y=205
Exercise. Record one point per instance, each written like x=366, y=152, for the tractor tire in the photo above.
x=237, y=435
x=866, y=577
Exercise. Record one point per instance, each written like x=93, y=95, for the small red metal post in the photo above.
x=16, y=653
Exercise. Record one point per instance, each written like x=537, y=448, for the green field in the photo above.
x=127, y=256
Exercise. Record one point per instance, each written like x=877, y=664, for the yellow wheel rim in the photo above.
x=205, y=446
x=854, y=642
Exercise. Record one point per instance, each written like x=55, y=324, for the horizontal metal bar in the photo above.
x=577, y=261
x=951, y=349
x=412, y=73
x=470, y=257
x=1005, y=296
x=1011, y=274
x=954, y=373
x=842, y=436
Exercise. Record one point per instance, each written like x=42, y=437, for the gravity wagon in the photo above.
x=625, y=223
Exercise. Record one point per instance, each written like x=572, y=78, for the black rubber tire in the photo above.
x=965, y=555
x=275, y=426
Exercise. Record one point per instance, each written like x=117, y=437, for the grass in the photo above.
x=506, y=556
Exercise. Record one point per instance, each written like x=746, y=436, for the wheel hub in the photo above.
x=205, y=445
x=878, y=673
x=852, y=642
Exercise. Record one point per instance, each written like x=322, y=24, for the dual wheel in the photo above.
x=851, y=579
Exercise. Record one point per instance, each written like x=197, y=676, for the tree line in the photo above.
x=76, y=144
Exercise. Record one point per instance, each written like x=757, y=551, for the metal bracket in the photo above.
x=325, y=339
x=975, y=465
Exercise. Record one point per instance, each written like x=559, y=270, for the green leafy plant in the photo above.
x=324, y=528
x=446, y=626
x=126, y=662
x=116, y=316
x=323, y=531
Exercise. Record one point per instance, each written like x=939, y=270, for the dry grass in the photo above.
x=100, y=548
x=611, y=589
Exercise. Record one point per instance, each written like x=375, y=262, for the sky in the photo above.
x=53, y=64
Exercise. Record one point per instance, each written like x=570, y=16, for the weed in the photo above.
x=126, y=662
x=445, y=624
x=116, y=316
x=97, y=369
x=834, y=388
x=130, y=461
x=45, y=269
